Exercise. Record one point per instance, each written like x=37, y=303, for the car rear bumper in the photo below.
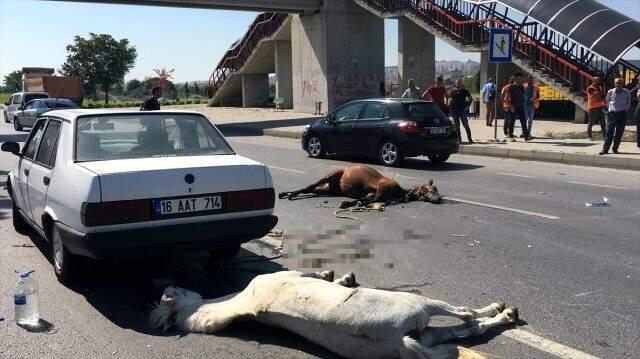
x=167, y=239
x=424, y=146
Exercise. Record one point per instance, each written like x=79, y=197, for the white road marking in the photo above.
x=598, y=185
x=536, y=214
x=266, y=144
x=546, y=345
x=285, y=169
x=587, y=293
x=513, y=175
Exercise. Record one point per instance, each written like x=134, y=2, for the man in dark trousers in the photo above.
x=618, y=103
x=515, y=96
x=152, y=104
x=460, y=101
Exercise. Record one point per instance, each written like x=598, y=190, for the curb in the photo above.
x=580, y=159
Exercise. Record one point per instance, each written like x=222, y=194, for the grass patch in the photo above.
x=4, y=97
x=629, y=136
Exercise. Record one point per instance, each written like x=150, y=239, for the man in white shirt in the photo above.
x=412, y=92
x=618, y=102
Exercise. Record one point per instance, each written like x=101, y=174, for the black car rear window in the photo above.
x=61, y=104
x=423, y=110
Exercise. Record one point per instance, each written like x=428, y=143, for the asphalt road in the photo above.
x=573, y=271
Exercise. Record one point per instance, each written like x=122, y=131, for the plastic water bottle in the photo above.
x=25, y=298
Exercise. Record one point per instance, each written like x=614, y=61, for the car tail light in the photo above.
x=250, y=200
x=116, y=212
x=408, y=127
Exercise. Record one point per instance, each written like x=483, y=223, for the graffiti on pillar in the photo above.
x=353, y=86
x=309, y=87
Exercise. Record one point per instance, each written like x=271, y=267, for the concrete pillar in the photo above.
x=338, y=56
x=416, y=55
x=284, y=81
x=580, y=115
x=255, y=90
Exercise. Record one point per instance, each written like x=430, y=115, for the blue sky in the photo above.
x=190, y=41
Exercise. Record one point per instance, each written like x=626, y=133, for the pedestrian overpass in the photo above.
x=332, y=51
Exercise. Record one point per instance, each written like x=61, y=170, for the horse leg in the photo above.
x=327, y=275
x=431, y=336
x=331, y=179
x=439, y=307
x=369, y=198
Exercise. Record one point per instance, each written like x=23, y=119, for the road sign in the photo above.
x=500, y=43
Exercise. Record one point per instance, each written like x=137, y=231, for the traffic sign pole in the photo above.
x=495, y=108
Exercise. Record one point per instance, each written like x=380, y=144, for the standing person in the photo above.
x=506, y=105
x=618, y=101
x=530, y=103
x=637, y=117
x=489, y=99
x=438, y=94
x=412, y=92
x=152, y=104
x=515, y=95
x=460, y=101
x=596, y=106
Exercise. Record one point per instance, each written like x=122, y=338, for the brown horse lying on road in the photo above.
x=366, y=185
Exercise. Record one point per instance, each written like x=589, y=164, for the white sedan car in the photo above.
x=107, y=184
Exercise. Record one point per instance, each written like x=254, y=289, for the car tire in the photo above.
x=16, y=124
x=64, y=262
x=19, y=224
x=221, y=254
x=389, y=153
x=438, y=158
x=315, y=148
x=6, y=118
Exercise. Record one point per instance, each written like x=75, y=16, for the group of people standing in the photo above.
x=519, y=100
x=454, y=102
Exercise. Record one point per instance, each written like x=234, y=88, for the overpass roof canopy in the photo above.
x=595, y=26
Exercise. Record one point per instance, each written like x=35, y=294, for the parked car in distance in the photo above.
x=26, y=115
x=389, y=129
x=101, y=184
x=19, y=99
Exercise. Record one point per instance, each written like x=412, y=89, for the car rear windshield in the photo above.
x=423, y=110
x=61, y=104
x=110, y=137
x=32, y=96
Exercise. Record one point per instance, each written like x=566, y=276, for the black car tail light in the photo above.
x=115, y=212
x=408, y=127
x=251, y=200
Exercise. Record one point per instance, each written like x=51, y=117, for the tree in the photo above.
x=100, y=60
x=186, y=90
x=13, y=81
x=196, y=89
x=132, y=85
x=164, y=76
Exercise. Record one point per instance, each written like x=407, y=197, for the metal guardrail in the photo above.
x=561, y=58
x=264, y=26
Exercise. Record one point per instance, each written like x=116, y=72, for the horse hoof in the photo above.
x=512, y=314
x=350, y=280
x=500, y=306
x=282, y=195
x=327, y=275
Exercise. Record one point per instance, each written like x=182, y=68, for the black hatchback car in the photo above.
x=390, y=129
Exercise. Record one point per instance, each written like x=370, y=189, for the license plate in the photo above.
x=437, y=130
x=164, y=207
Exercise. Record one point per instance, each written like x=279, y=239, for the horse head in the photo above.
x=425, y=193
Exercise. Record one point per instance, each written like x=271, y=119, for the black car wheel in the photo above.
x=221, y=254
x=19, y=224
x=6, y=118
x=16, y=124
x=438, y=158
x=315, y=148
x=64, y=263
x=389, y=153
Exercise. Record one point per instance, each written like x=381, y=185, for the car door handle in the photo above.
x=26, y=171
x=46, y=180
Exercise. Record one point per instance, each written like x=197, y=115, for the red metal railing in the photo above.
x=264, y=26
x=469, y=24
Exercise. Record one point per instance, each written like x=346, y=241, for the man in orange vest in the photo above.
x=531, y=102
x=506, y=105
x=596, y=106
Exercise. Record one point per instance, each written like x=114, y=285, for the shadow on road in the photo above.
x=257, y=128
x=5, y=205
x=411, y=163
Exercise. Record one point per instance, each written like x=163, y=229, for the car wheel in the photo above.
x=389, y=153
x=315, y=148
x=16, y=124
x=438, y=158
x=6, y=118
x=63, y=261
x=19, y=224
x=225, y=253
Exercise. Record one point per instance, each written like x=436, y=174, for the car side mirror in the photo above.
x=11, y=147
x=7, y=103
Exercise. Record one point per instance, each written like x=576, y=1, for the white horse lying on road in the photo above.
x=351, y=322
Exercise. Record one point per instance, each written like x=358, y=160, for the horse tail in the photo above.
x=412, y=348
